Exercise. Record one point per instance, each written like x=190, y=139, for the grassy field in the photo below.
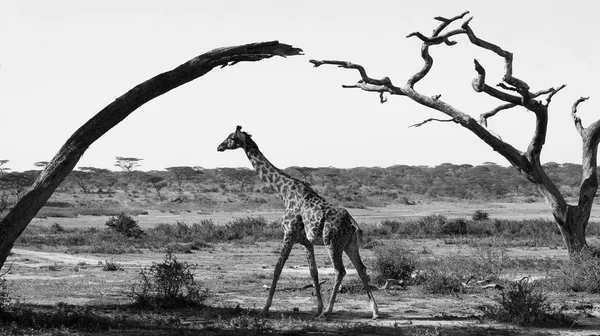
x=71, y=275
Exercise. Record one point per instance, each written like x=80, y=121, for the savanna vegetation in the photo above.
x=484, y=271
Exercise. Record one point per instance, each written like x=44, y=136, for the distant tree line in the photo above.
x=488, y=181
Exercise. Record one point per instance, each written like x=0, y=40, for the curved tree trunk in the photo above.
x=65, y=160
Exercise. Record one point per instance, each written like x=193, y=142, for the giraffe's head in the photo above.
x=235, y=140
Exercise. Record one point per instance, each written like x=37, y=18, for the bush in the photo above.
x=524, y=304
x=392, y=225
x=581, y=274
x=125, y=225
x=439, y=282
x=253, y=228
x=4, y=299
x=169, y=284
x=111, y=266
x=479, y=215
x=393, y=262
x=454, y=227
x=57, y=228
x=490, y=260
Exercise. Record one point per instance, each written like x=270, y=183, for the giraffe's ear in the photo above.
x=239, y=128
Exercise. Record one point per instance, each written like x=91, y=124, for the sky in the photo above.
x=63, y=61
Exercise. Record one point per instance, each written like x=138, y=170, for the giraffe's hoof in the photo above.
x=375, y=317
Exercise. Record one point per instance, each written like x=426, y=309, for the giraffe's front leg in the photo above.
x=288, y=243
x=314, y=273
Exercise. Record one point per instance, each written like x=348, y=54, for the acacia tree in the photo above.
x=41, y=164
x=242, y=175
x=82, y=178
x=64, y=161
x=571, y=219
x=183, y=173
x=127, y=164
x=157, y=183
x=2, y=168
x=16, y=182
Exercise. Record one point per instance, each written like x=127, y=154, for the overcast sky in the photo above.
x=63, y=61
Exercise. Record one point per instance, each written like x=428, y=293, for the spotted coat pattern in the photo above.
x=308, y=220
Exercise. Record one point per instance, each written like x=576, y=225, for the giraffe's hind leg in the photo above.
x=352, y=252
x=312, y=265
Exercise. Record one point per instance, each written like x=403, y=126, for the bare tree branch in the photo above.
x=484, y=116
x=576, y=119
x=431, y=119
x=434, y=39
x=508, y=77
x=551, y=92
x=385, y=81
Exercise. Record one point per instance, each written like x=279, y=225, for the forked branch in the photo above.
x=366, y=83
x=484, y=116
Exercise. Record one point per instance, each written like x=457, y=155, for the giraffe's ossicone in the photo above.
x=308, y=219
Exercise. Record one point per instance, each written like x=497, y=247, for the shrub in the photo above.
x=125, y=225
x=431, y=224
x=393, y=262
x=168, y=284
x=392, y=225
x=439, y=282
x=581, y=274
x=111, y=266
x=490, y=260
x=57, y=228
x=454, y=227
x=4, y=299
x=479, y=215
x=524, y=304
x=253, y=228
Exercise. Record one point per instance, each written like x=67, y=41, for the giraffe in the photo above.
x=308, y=220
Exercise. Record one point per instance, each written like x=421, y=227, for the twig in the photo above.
x=430, y=119
x=8, y=270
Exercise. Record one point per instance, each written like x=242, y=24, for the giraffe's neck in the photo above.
x=274, y=178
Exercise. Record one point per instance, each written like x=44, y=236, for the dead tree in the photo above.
x=571, y=219
x=67, y=157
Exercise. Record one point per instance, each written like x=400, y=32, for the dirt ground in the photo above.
x=238, y=274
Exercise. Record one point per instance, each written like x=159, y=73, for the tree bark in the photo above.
x=571, y=219
x=67, y=157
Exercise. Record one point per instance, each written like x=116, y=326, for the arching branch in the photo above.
x=65, y=160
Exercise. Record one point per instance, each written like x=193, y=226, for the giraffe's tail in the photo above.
x=358, y=231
